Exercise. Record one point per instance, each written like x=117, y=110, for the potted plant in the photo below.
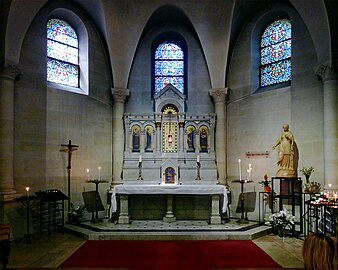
x=266, y=183
x=280, y=222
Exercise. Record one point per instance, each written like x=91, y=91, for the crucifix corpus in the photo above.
x=70, y=148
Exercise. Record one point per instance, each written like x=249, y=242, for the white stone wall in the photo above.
x=256, y=116
x=47, y=117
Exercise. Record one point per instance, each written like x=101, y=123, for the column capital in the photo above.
x=11, y=72
x=327, y=72
x=219, y=94
x=120, y=94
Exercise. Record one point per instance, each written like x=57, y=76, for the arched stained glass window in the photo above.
x=169, y=66
x=276, y=53
x=62, y=53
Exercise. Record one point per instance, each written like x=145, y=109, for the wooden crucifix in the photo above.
x=70, y=148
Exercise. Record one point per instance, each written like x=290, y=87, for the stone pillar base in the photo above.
x=215, y=220
x=169, y=217
x=124, y=219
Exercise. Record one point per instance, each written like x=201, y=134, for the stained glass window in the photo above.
x=276, y=53
x=169, y=66
x=62, y=53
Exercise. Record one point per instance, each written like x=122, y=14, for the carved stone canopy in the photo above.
x=169, y=95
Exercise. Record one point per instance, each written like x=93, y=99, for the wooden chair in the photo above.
x=4, y=243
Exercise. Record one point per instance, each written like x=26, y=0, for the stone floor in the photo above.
x=50, y=251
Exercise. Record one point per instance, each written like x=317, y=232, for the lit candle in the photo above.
x=239, y=168
x=99, y=173
x=198, y=158
x=140, y=158
x=250, y=171
x=87, y=174
x=27, y=190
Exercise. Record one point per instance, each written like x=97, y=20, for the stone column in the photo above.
x=219, y=97
x=169, y=217
x=329, y=75
x=212, y=133
x=124, y=210
x=8, y=76
x=181, y=137
x=215, y=217
x=119, y=96
x=158, y=137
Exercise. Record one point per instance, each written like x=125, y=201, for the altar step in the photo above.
x=159, y=230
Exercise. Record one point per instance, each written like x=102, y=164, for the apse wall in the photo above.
x=198, y=81
x=46, y=117
x=255, y=115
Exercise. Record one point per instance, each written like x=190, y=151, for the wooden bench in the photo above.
x=4, y=243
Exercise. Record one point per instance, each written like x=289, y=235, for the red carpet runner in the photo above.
x=165, y=255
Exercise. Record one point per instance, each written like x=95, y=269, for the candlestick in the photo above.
x=140, y=158
x=99, y=173
x=87, y=174
x=239, y=168
x=27, y=191
x=198, y=158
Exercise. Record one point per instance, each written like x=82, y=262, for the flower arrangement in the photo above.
x=307, y=171
x=265, y=182
x=281, y=221
x=312, y=187
x=75, y=212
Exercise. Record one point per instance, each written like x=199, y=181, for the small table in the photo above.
x=242, y=220
x=50, y=202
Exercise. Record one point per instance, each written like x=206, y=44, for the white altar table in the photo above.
x=215, y=191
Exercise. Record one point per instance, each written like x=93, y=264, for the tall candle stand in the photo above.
x=198, y=177
x=242, y=220
x=140, y=171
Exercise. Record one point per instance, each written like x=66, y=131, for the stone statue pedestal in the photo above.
x=286, y=173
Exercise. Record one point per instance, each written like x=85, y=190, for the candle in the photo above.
x=198, y=158
x=99, y=173
x=140, y=158
x=27, y=191
x=250, y=171
x=87, y=174
x=239, y=168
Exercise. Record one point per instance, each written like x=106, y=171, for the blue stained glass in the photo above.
x=169, y=68
x=62, y=53
x=276, y=32
x=276, y=73
x=61, y=31
x=276, y=52
x=62, y=73
x=169, y=51
x=161, y=82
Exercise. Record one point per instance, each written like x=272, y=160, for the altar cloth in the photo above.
x=170, y=189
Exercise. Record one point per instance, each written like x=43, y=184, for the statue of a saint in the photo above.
x=148, y=140
x=204, y=140
x=287, y=154
x=191, y=140
x=136, y=140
